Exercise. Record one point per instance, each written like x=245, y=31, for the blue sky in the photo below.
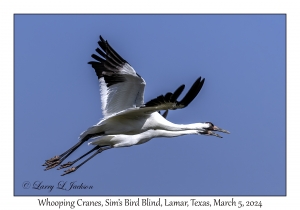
x=242, y=58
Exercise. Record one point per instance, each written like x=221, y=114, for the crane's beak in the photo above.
x=213, y=134
x=215, y=128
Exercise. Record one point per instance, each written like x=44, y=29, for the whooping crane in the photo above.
x=123, y=108
x=122, y=140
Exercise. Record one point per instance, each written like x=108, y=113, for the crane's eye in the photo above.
x=211, y=124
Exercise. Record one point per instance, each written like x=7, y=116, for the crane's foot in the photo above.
x=51, y=160
x=69, y=171
x=68, y=164
x=53, y=165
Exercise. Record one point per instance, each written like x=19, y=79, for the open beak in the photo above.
x=210, y=133
x=215, y=128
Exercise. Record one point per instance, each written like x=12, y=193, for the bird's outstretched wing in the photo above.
x=120, y=86
x=170, y=100
x=167, y=101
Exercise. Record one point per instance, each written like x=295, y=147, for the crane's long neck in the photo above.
x=164, y=133
x=183, y=127
x=163, y=124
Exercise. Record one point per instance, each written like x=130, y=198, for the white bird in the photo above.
x=123, y=108
x=123, y=140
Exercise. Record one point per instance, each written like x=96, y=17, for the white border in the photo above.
x=8, y=8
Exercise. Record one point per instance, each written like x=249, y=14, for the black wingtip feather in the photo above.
x=165, y=114
x=192, y=93
x=177, y=93
x=102, y=45
x=100, y=52
x=115, y=54
x=168, y=96
x=101, y=38
x=96, y=57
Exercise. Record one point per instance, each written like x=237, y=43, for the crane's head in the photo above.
x=209, y=129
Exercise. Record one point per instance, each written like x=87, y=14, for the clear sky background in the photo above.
x=242, y=58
